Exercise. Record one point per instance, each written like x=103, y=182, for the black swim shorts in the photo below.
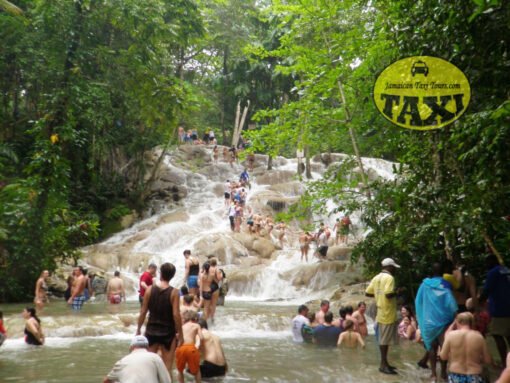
x=227, y=195
x=164, y=340
x=207, y=295
x=323, y=250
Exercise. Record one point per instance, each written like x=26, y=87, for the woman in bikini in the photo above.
x=205, y=289
x=41, y=290
x=217, y=277
x=350, y=338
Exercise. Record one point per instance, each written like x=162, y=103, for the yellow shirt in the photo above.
x=382, y=284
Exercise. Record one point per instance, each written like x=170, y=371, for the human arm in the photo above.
x=487, y=360
x=174, y=300
x=360, y=340
x=108, y=290
x=123, y=292
x=340, y=340
x=143, y=310
x=186, y=270
x=445, y=350
x=389, y=289
x=35, y=329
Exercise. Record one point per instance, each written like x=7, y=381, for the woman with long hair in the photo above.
x=33, y=329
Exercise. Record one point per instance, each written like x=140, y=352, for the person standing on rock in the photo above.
x=382, y=287
x=205, y=289
x=41, y=290
x=345, y=226
x=227, y=192
x=115, y=291
x=77, y=298
x=146, y=280
x=164, y=327
x=191, y=271
x=217, y=277
x=322, y=242
x=304, y=245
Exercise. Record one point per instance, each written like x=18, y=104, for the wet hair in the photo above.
x=206, y=266
x=324, y=302
x=184, y=290
x=188, y=298
x=203, y=323
x=349, y=310
x=153, y=266
x=311, y=317
x=32, y=313
x=186, y=252
x=348, y=324
x=83, y=270
x=167, y=271
x=465, y=318
x=342, y=312
x=409, y=310
x=213, y=262
x=301, y=309
x=328, y=317
x=362, y=304
x=190, y=316
x=116, y=273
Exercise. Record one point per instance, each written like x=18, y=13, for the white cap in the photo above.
x=139, y=341
x=389, y=262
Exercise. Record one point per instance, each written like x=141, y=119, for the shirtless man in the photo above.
x=187, y=353
x=41, y=290
x=187, y=304
x=350, y=338
x=319, y=315
x=304, y=245
x=115, y=290
x=77, y=298
x=359, y=315
x=215, y=363
x=466, y=351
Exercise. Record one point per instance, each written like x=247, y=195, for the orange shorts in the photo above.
x=188, y=353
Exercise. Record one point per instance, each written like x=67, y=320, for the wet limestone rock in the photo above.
x=342, y=253
x=222, y=246
x=175, y=216
x=274, y=177
x=263, y=247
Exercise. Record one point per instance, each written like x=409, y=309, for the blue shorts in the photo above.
x=78, y=302
x=461, y=378
x=193, y=282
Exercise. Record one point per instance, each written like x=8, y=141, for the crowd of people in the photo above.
x=450, y=324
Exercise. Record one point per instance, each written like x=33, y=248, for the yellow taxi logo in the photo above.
x=422, y=93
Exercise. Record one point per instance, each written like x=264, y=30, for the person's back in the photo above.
x=141, y=366
x=466, y=351
x=161, y=321
x=298, y=322
x=350, y=338
x=215, y=363
x=326, y=334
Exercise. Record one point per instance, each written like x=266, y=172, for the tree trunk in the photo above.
x=224, y=95
x=270, y=162
x=308, y=164
x=354, y=140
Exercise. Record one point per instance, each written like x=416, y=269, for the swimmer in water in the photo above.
x=350, y=338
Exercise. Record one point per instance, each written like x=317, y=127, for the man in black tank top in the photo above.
x=164, y=325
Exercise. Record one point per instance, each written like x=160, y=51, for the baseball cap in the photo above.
x=139, y=341
x=389, y=262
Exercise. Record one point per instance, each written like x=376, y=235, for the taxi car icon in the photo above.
x=419, y=67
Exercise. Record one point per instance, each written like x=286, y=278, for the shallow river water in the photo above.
x=82, y=347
